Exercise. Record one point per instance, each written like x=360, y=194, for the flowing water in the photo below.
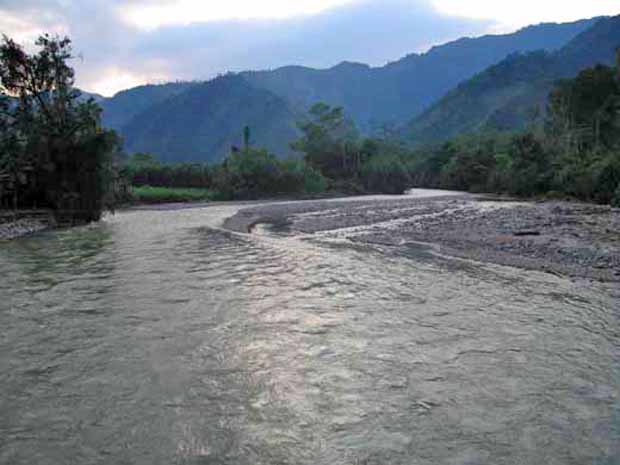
x=155, y=337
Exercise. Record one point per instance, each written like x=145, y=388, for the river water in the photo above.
x=155, y=337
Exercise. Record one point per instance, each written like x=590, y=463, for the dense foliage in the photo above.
x=244, y=174
x=143, y=169
x=53, y=151
x=575, y=152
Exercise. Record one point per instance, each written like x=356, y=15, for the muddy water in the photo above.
x=157, y=338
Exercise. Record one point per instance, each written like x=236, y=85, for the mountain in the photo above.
x=509, y=94
x=203, y=122
x=401, y=90
x=120, y=109
x=372, y=97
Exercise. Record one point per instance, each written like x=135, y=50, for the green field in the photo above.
x=148, y=194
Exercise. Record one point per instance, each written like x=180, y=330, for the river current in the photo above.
x=156, y=337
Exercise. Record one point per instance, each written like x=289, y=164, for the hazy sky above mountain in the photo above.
x=123, y=43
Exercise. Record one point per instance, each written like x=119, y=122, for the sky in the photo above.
x=123, y=43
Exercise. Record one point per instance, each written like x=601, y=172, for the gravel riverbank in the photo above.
x=24, y=222
x=574, y=239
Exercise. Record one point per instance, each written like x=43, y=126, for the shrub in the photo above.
x=615, y=200
x=252, y=172
x=530, y=172
x=606, y=177
x=386, y=174
x=313, y=182
x=468, y=171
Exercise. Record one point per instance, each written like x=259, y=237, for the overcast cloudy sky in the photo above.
x=123, y=43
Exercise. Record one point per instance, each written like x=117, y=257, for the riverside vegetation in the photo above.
x=574, y=152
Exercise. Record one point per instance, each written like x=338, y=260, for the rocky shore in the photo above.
x=566, y=238
x=24, y=222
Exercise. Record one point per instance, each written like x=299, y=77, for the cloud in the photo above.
x=524, y=12
x=118, y=53
x=185, y=12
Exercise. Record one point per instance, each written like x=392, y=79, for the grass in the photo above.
x=148, y=194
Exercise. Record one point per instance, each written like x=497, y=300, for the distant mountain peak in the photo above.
x=350, y=65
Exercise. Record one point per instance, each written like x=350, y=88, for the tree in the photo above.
x=386, y=174
x=52, y=131
x=246, y=138
x=583, y=112
x=329, y=141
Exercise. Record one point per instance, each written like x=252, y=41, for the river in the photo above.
x=156, y=337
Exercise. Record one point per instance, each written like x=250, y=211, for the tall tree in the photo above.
x=328, y=141
x=583, y=112
x=59, y=134
x=246, y=138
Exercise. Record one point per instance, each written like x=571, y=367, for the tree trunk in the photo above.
x=597, y=131
x=15, y=203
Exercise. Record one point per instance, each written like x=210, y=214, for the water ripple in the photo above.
x=155, y=337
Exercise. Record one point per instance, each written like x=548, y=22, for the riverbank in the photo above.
x=565, y=238
x=14, y=224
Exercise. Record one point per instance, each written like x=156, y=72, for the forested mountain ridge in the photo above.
x=372, y=97
x=203, y=122
x=120, y=109
x=398, y=91
x=512, y=93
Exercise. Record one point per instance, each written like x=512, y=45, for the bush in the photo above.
x=313, y=182
x=606, y=176
x=588, y=176
x=468, y=171
x=499, y=177
x=386, y=174
x=253, y=173
x=615, y=200
x=143, y=169
x=530, y=171
x=297, y=176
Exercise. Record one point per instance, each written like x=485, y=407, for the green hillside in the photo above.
x=514, y=92
x=120, y=109
x=203, y=122
x=395, y=93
